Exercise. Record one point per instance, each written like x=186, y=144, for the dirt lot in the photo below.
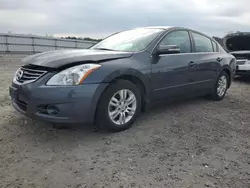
x=196, y=143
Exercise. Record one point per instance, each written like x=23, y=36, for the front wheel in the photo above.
x=221, y=86
x=119, y=106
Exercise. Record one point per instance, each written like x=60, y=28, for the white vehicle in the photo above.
x=238, y=44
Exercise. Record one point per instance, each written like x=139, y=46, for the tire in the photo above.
x=104, y=109
x=217, y=96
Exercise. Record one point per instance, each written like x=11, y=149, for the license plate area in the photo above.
x=13, y=93
x=241, y=61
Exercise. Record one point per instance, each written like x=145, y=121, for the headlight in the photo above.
x=73, y=75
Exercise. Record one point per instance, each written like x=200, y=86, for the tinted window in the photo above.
x=179, y=38
x=215, y=46
x=202, y=43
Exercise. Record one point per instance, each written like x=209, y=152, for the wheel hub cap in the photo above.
x=122, y=106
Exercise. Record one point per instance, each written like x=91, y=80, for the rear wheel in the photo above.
x=119, y=106
x=221, y=86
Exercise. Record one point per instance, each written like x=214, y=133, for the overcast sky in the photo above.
x=98, y=18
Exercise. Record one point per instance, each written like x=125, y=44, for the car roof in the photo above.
x=174, y=27
x=156, y=27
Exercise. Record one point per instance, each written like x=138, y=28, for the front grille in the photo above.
x=27, y=75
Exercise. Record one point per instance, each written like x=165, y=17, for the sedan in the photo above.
x=110, y=83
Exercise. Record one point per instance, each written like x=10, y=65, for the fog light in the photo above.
x=52, y=110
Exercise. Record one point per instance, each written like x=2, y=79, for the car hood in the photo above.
x=237, y=42
x=61, y=58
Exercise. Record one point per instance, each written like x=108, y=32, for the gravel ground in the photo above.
x=193, y=143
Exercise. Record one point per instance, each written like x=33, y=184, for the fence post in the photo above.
x=33, y=44
x=55, y=44
x=7, y=44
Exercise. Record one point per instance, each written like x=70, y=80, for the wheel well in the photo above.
x=229, y=76
x=138, y=83
x=135, y=81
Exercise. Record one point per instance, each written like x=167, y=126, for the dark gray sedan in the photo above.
x=113, y=81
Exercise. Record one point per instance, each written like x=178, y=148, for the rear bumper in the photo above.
x=73, y=104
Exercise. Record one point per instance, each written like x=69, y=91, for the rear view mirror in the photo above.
x=168, y=49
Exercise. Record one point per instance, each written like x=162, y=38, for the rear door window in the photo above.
x=202, y=43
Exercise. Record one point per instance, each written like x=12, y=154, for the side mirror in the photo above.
x=168, y=49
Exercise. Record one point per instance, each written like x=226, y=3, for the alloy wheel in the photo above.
x=122, y=106
x=222, y=86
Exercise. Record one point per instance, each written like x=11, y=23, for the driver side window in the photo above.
x=178, y=38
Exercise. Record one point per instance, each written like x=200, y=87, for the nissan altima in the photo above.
x=110, y=83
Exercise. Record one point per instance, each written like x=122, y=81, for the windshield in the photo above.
x=133, y=40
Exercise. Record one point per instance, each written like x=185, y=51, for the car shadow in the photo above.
x=33, y=131
x=156, y=108
x=245, y=79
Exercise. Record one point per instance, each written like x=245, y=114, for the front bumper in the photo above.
x=243, y=69
x=74, y=104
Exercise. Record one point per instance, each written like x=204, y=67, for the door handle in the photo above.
x=192, y=64
x=219, y=59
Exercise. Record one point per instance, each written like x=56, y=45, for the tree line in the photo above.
x=80, y=38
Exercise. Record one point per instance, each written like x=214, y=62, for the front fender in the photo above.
x=129, y=68
x=126, y=72
x=121, y=67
